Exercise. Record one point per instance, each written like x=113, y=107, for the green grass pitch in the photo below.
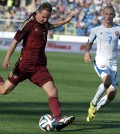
x=77, y=83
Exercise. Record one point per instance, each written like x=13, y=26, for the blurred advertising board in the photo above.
x=61, y=43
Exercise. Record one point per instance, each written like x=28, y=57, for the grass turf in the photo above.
x=77, y=83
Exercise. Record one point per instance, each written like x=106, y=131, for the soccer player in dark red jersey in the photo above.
x=32, y=62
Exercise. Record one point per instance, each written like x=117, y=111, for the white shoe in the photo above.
x=66, y=121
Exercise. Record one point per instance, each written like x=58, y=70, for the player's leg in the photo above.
x=105, y=100
x=5, y=87
x=54, y=105
x=111, y=90
x=12, y=81
x=43, y=78
x=107, y=81
x=100, y=91
x=102, y=72
x=94, y=104
x=110, y=81
x=53, y=101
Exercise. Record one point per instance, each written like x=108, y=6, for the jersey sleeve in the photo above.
x=92, y=35
x=21, y=33
x=24, y=29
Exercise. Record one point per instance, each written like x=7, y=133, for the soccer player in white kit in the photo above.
x=107, y=36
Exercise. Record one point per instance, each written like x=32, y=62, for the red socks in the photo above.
x=54, y=106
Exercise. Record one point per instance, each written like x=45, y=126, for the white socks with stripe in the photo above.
x=103, y=101
x=100, y=91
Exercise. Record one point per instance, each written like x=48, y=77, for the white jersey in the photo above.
x=106, y=40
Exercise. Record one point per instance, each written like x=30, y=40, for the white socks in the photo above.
x=99, y=93
x=104, y=101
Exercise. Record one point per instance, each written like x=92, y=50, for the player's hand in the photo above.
x=6, y=65
x=69, y=17
x=87, y=57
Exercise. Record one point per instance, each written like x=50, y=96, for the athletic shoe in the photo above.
x=91, y=112
x=66, y=121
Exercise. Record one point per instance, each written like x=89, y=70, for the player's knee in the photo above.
x=111, y=95
x=53, y=93
x=111, y=98
x=107, y=85
x=107, y=82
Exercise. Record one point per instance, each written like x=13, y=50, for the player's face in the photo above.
x=108, y=15
x=43, y=16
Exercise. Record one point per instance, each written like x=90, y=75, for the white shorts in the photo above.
x=107, y=67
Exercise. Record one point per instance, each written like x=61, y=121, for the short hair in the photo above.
x=45, y=6
x=109, y=7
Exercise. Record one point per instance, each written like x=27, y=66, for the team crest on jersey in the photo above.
x=116, y=33
x=36, y=29
x=102, y=66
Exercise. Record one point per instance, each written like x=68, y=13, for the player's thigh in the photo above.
x=40, y=76
x=101, y=69
x=43, y=78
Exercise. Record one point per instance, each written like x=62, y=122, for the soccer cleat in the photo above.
x=91, y=112
x=66, y=121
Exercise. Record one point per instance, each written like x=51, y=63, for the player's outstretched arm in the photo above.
x=87, y=57
x=11, y=49
x=62, y=22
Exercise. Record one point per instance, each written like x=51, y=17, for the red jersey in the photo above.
x=34, y=36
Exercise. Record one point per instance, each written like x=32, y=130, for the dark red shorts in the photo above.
x=37, y=74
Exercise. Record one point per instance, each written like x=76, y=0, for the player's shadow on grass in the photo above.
x=68, y=108
x=40, y=108
x=79, y=110
x=95, y=126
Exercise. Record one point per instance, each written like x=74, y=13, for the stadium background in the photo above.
x=76, y=81
x=87, y=14
x=67, y=38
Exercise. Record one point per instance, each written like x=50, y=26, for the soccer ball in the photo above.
x=45, y=122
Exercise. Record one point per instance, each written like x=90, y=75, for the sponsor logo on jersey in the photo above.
x=36, y=29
